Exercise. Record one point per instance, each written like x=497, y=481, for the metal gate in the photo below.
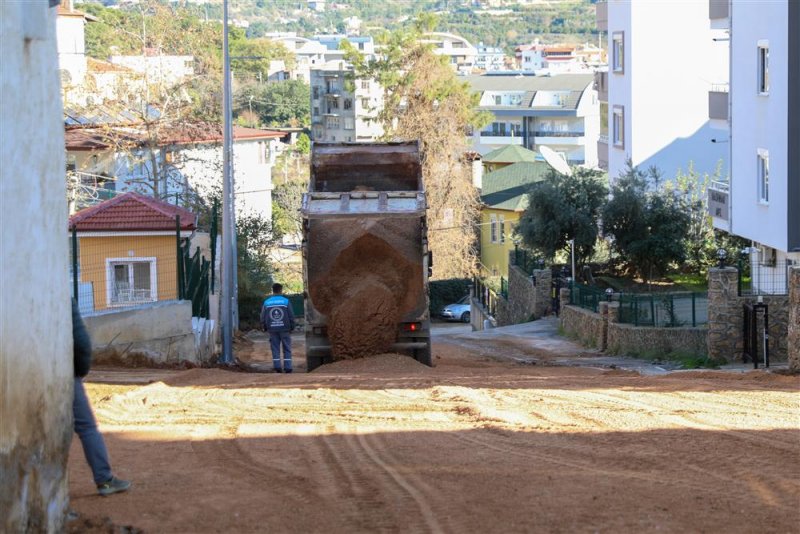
x=756, y=333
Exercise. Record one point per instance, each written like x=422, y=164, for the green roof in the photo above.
x=507, y=188
x=509, y=154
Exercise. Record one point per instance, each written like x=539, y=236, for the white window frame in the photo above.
x=349, y=123
x=493, y=228
x=762, y=175
x=618, y=127
x=502, y=220
x=110, y=262
x=762, y=68
x=618, y=52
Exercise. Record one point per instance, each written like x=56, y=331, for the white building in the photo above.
x=663, y=60
x=761, y=202
x=190, y=160
x=36, y=370
x=560, y=112
x=70, y=31
x=308, y=54
x=490, y=58
x=157, y=68
x=338, y=115
x=461, y=53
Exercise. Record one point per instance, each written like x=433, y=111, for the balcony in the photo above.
x=601, y=16
x=559, y=138
x=718, y=103
x=489, y=138
x=601, y=85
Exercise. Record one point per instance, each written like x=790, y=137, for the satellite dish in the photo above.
x=555, y=160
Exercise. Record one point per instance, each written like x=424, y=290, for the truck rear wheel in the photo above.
x=423, y=356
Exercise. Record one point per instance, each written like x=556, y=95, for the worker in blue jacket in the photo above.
x=277, y=319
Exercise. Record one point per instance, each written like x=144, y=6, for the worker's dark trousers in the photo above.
x=276, y=341
x=94, y=448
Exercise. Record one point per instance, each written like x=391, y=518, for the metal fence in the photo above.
x=586, y=296
x=664, y=309
x=116, y=270
x=486, y=296
x=764, y=277
x=504, y=288
x=526, y=260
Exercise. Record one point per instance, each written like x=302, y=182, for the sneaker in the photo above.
x=277, y=370
x=114, y=485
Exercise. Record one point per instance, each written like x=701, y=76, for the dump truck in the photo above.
x=365, y=253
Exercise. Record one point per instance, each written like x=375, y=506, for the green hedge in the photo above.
x=444, y=292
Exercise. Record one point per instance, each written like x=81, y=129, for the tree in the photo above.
x=424, y=100
x=285, y=103
x=562, y=208
x=303, y=144
x=647, y=226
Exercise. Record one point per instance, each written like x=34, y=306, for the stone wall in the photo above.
x=602, y=331
x=587, y=327
x=158, y=333
x=726, y=318
x=36, y=368
x=528, y=297
x=793, y=342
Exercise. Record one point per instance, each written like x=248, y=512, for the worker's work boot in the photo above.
x=113, y=485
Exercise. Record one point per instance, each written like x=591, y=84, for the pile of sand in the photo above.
x=369, y=288
x=380, y=364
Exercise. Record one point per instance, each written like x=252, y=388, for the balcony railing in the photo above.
x=500, y=134
x=601, y=16
x=545, y=133
x=718, y=103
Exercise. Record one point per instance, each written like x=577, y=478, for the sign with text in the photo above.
x=718, y=204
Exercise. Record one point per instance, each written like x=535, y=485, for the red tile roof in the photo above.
x=132, y=212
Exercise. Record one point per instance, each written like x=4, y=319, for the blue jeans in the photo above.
x=94, y=448
x=276, y=341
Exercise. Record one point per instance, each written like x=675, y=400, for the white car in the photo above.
x=458, y=311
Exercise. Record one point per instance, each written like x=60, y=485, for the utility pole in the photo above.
x=229, y=297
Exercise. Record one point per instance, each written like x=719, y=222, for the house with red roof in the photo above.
x=128, y=251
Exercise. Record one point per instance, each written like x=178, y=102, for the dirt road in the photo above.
x=476, y=444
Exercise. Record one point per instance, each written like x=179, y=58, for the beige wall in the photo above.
x=95, y=250
x=36, y=371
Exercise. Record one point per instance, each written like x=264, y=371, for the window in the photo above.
x=619, y=127
x=333, y=103
x=498, y=100
x=502, y=229
x=316, y=110
x=493, y=228
x=332, y=123
x=763, y=175
x=315, y=91
x=763, y=67
x=349, y=123
x=130, y=281
x=618, y=52
x=365, y=103
x=365, y=85
x=347, y=104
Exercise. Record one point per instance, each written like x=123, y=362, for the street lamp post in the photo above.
x=229, y=297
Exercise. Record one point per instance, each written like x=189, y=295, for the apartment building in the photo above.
x=341, y=115
x=761, y=109
x=663, y=59
x=490, y=58
x=560, y=112
x=462, y=55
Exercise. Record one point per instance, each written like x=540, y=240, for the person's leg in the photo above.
x=94, y=448
x=275, y=347
x=286, y=341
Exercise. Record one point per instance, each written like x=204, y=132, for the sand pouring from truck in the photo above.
x=365, y=253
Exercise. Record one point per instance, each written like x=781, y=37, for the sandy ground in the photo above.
x=479, y=443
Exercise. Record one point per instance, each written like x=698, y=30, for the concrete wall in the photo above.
x=36, y=368
x=726, y=318
x=157, y=333
x=794, y=320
